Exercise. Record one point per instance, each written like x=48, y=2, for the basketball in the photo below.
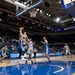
x=35, y=9
x=22, y=28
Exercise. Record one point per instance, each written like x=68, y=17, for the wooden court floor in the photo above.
x=10, y=62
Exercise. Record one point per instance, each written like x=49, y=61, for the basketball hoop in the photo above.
x=33, y=13
x=23, y=7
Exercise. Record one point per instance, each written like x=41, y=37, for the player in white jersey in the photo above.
x=23, y=39
x=30, y=48
x=23, y=36
x=67, y=48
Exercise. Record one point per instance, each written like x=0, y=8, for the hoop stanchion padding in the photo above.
x=69, y=6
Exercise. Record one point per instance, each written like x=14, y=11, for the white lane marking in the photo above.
x=61, y=68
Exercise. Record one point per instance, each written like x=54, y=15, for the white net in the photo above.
x=33, y=13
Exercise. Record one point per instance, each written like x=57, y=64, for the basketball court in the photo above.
x=58, y=64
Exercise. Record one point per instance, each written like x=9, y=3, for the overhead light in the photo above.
x=38, y=9
x=57, y=20
x=47, y=14
x=73, y=18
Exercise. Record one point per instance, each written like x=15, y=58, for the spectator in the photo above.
x=35, y=51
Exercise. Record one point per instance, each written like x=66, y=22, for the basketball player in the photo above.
x=30, y=48
x=46, y=47
x=67, y=49
x=23, y=39
x=24, y=36
x=3, y=54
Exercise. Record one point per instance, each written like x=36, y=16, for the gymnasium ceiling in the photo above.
x=43, y=23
